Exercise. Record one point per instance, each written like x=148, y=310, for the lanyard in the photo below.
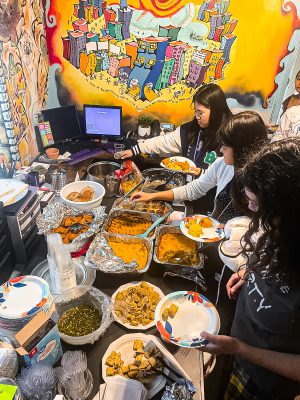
x=198, y=144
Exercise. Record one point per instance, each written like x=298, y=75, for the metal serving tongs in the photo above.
x=143, y=182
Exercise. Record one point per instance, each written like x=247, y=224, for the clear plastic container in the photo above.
x=85, y=295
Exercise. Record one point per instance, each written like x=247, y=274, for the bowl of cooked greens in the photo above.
x=84, y=314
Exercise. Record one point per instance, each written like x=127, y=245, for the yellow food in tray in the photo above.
x=129, y=225
x=130, y=251
x=177, y=165
x=136, y=305
x=174, y=246
x=141, y=367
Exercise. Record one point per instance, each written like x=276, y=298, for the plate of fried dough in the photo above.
x=134, y=304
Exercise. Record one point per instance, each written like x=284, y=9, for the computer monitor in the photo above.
x=102, y=121
x=64, y=122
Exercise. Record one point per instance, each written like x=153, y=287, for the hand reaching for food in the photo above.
x=126, y=154
x=142, y=196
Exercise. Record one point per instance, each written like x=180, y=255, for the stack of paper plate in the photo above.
x=21, y=299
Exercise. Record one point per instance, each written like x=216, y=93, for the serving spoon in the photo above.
x=155, y=223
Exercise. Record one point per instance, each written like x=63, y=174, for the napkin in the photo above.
x=121, y=388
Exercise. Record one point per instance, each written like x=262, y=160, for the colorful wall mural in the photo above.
x=141, y=54
x=24, y=66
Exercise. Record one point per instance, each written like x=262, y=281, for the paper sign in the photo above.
x=7, y=392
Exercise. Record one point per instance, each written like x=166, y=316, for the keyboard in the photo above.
x=84, y=155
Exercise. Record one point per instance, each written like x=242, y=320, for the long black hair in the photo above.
x=212, y=97
x=244, y=132
x=273, y=175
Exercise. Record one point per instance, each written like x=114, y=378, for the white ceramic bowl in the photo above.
x=77, y=187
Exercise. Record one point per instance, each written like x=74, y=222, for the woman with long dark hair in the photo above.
x=197, y=139
x=239, y=135
x=266, y=329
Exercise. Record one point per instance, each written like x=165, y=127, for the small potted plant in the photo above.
x=144, y=122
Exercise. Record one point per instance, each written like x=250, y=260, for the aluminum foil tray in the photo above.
x=101, y=256
x=55, y=212
x=126, y=204
x=116, y=213
x=158, y=176
x=174, y=229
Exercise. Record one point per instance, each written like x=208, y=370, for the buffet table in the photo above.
x=109, y=283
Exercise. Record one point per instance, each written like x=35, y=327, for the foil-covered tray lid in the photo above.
x=101, y=256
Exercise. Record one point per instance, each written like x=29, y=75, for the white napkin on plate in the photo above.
x=121, y=388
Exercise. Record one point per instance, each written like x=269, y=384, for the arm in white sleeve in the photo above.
x=200, y=186
x=170, y=143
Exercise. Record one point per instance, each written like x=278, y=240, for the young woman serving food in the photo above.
x=197, y=139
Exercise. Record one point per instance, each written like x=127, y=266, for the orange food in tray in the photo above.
x=174, y=246
x=129, y=225
x=73, y=226
x=130, y=251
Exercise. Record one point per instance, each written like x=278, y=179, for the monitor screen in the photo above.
x=64, y=122
x=102, y=120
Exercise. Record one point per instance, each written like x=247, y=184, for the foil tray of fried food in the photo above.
x=171, y=246
x=131, y=223
x=112, y=253
x=154, y=207
x=74, y=226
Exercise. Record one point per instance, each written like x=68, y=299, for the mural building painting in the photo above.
x=151, y=56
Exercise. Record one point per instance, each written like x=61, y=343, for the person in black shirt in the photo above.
x=197, y=139
x=266, y=329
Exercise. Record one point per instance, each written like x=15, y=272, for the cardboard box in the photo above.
x=39, y=340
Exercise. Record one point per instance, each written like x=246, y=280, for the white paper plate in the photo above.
x=180, y=159
x=12, y=190
x=124, y=345
x=23, y=296
x=195, y=314
x=127, y=325
x=213, y=234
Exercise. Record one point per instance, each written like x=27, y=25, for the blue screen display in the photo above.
x=102, y=121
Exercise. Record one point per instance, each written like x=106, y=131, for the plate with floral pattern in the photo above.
x=23, y=296
x=202, y=228
x=193, y=315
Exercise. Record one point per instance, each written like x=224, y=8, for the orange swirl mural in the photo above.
x=151, y=55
